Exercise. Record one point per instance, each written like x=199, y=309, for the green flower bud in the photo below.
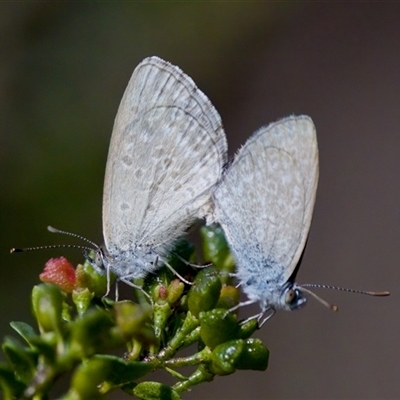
x=204, y=294
x=217, y=327
x=248, y=328
x=82, y=299
x=175, y=291
x=254, y=355
x=230, y=297
x=154, y=391
x=216, y=249
x=224, y=356
x=88, y=277
x=239, y=354
x=161, y=313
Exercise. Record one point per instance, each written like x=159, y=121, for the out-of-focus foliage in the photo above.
x=79, y=331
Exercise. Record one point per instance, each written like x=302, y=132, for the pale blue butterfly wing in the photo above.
x=167, y=152
x=265, y=202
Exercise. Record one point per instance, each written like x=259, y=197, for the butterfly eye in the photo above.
x=98, y=259
x=290, y=296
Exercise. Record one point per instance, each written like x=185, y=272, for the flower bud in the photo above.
x=204, y=294
x=239, y=354
x=217, y=327
x=60, y=272
x=230, y=297
x=216, y=249
x=82, y=299
x=154, y=390
x=254, y=356
x=88, y=277
x=224, y=356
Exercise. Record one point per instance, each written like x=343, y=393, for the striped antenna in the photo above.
x=318, y=286
x=332, y=306
x=57, y=246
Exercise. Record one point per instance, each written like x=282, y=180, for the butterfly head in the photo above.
x=292, y=297
x=99, y=261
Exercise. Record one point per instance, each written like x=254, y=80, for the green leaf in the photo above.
x=47, y=306
x=92, y=333
x=86, y=381
x=23, y=360
x=25, y=331
x=133, y=321
x=101, y=373
x=10, y=385
x=45, y=347
x=123, y=372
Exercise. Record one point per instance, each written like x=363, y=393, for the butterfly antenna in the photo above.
x=368, y=293
x=55, y=230
x=333, y=307
x=57, y=246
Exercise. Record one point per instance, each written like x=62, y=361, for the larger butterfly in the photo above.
x=167, y=152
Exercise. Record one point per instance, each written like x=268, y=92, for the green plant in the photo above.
x=79, y=330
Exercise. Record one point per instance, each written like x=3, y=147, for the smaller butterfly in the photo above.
x=264, y=203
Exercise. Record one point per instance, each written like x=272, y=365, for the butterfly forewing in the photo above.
x=167, y=151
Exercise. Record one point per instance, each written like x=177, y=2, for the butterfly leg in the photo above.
x=186, y=262
x=177, y=274
x=126, y=280
x=242, y=304
x=272, y=312
x=259, y=316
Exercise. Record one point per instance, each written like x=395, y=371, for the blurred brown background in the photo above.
x=63, y=69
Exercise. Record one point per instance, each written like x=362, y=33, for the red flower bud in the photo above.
x=60, y=272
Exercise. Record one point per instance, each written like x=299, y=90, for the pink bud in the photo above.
x=60, y=272
x=163, y=292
